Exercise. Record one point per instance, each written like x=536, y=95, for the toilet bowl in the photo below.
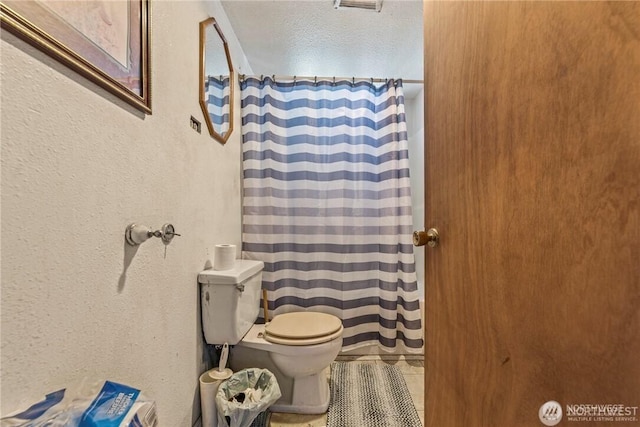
x=297, y=347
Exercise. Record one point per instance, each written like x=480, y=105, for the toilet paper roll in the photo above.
x=224, y=257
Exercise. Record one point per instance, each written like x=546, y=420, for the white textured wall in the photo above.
x=78, y=165
x=415, y=129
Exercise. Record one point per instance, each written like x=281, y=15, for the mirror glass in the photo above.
x=216, y=81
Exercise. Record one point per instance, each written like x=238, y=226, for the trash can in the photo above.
x=242, y=397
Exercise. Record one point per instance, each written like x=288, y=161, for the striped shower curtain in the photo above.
x=216, y=89
x=327, y=205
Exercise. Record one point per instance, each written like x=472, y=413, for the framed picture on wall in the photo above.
x=107, y=41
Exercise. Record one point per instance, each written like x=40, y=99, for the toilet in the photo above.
x=297, y=347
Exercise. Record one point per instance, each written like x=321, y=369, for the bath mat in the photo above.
x=369, y=395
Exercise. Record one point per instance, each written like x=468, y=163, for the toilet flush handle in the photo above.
x=240, y=287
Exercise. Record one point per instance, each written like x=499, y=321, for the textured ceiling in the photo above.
x=311, y=38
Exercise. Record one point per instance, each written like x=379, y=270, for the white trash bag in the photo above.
x=242, y=397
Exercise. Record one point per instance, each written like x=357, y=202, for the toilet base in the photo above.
x=310, y=396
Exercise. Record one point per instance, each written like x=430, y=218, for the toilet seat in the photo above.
x=303, y=328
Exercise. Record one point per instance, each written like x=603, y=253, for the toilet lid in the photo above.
x=303, y=325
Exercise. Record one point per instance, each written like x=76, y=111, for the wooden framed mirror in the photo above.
x=216, y=81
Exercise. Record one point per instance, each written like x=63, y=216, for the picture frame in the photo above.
x=107, y=41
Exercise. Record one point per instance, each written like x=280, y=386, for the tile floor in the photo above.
x=412, y=368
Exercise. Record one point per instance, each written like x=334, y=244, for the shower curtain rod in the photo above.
x=334, y=78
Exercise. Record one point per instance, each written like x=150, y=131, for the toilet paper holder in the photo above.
x=136, y=234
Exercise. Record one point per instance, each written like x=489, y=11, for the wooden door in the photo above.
x=533, y=179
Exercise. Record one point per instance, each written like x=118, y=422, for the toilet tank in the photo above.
x=230, y=301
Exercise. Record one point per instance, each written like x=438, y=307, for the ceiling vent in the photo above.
x=359, y=4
